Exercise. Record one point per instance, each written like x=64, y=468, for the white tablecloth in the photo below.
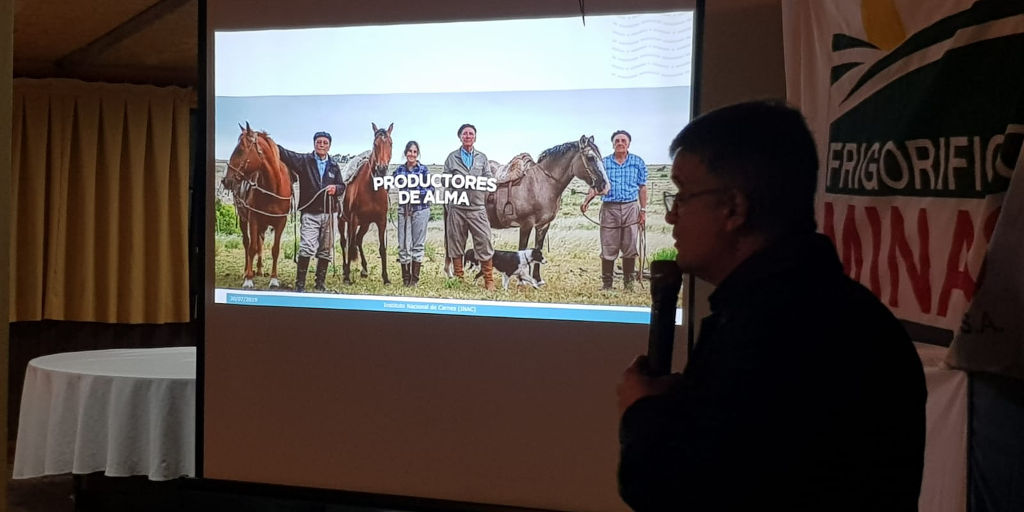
x=124, y=412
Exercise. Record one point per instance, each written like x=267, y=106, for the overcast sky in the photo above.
x=526, y=84
x=631, y=51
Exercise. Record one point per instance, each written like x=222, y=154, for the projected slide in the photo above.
x=409, y=168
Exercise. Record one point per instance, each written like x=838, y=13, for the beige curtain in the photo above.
x=99, y=214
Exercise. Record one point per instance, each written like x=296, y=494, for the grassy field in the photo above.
x=572, y=273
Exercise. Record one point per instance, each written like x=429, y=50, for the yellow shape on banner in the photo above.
x=882, y=23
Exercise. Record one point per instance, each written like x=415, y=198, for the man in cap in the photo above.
x=320, y=183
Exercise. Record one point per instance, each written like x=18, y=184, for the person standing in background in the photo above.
x=320, y=182
x=413, y=217
x=623, y=210
x=462, y=221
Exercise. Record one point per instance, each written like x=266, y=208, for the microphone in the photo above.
x=666, y=279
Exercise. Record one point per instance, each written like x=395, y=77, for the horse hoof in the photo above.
x=364, y=274
x=247, y=283
x=541, y=283
x=386, y=281
x=346, y=281
x=274, y=283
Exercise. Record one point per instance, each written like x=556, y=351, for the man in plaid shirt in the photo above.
x=623, y=210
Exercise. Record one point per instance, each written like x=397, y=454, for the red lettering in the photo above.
x=958, y=277
x=918, y=272
x=875, y=223
x=829, y=229
x=853, y=257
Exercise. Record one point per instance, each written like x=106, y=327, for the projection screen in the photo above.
x=443, y=390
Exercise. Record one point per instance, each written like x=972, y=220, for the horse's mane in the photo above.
x=560, y=150
x=263, y=134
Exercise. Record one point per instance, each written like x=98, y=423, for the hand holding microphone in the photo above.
x=649, y=374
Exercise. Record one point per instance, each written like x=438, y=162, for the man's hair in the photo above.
x=765, y=150
x=463, y=127
x=317, y=135
x=621, y=132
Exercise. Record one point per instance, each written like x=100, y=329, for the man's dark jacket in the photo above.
x=803, y=392
x=302, y=166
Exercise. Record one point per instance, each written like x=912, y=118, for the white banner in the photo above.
x=914, y=106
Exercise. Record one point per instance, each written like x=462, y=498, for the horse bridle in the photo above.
x=586, y=165
x=251, y=141
x=373, y=154
x=254, y=180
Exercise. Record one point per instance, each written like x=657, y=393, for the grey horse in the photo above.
x=529, y=199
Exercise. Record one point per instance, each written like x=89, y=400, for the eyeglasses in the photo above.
x=673, y=200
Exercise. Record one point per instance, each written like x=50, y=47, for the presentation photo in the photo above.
x=510, y=168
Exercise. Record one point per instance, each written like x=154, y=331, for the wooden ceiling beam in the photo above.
x=141, y=21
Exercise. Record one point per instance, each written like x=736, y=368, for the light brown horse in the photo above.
x=263, y=193
x=365, y=206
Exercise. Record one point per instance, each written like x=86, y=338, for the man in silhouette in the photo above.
x=803, y=392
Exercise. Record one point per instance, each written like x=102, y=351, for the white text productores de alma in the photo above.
x=455, y=187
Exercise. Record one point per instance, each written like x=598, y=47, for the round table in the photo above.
x=124, y=412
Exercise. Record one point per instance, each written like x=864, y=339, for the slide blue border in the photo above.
x=541, y=311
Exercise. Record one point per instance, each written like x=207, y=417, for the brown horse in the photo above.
x=263, y=193
x=365, y=206
x=531, y=201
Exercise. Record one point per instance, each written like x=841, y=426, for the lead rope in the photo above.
x=333, y=226
x=295, y=212
x=642, y=243
x=295, y=229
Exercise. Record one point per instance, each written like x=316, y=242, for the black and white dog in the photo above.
x=516, y=264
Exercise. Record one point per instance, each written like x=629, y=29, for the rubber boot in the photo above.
x=487, y=268
x=406, y=274
x=457, y=268
x=607, y=274
x=321, y=275
x=415, y=273
x=628, y=273
x=300, y=273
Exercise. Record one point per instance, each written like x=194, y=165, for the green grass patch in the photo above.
x=664, y=254
x=227, y=219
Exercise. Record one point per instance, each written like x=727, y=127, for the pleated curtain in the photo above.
x=99, y=214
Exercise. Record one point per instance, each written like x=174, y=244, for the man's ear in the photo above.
x=737, y=209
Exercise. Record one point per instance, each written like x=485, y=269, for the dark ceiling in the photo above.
x=135, y=41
